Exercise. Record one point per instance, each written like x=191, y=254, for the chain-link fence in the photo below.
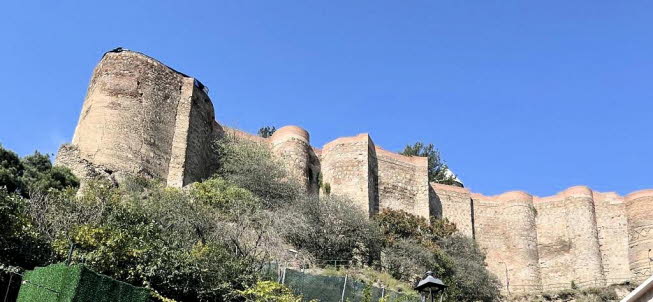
x=331, y=288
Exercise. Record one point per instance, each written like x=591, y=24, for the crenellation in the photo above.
x=141, y=117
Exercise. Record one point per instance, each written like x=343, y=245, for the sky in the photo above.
x=535, y=96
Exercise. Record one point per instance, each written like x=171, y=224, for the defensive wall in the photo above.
x=141, y=117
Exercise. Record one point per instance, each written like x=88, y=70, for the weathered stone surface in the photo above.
x=506, y=230
x=292, y=145
x=403, y=182
x=639, y=211
x=141, y=117
x=455, y=204
x=348, y=166
x=568, y=240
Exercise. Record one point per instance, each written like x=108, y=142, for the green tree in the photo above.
x=11, y=170
x=266, y=131
x=40, y=175
x=438, y=170
x=32, y=173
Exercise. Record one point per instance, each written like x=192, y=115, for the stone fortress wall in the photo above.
x=142, y=117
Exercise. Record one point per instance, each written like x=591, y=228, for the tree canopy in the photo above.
x=438, y=170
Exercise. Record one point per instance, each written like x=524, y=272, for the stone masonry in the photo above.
x=141, y=117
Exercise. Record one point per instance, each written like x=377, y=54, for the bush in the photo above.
x=415, y=246
x=332, y=228
x=408, y=260
x=160, y=237
x=268, y=291
x=399, y=224
x=471, y=281
x=252, y=166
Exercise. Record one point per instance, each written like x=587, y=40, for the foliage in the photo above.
x=161, y=237
x=367, y=293
x=266, y=131
x=370, y=275
x=414, y=246
x=268, y=291
x=20, y=243
x=438, y=170
x=408, y=260
x=471, y=280
x=11, y=169
x=32, y=173
x=251, y=166
x=399, y=224
x=40, y=175
x=331, y=228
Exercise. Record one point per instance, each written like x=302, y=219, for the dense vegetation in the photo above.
x=208, y=241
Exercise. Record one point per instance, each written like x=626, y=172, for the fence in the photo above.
x=331, y=288
x=60, y=282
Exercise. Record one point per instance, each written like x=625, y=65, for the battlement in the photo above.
x=141, y=117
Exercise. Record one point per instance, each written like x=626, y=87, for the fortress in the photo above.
x=142, y=117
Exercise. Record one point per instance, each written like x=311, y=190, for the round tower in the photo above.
x=639, y=209
x=582, y=229
x=291, y=145
x=522, y=259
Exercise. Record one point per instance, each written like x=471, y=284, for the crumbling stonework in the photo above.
x=141, y=117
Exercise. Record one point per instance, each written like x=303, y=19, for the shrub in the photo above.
x=471, y=281
x=268, y=291
x=159, y=237
x=415, y=246
x=251, y=166
x=408, y=260
x=332, y=228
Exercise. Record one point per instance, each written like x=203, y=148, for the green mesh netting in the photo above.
x=59, y=282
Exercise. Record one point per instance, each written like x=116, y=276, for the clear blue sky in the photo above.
x=517, y=95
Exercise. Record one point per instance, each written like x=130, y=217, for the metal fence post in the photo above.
x=344, y=286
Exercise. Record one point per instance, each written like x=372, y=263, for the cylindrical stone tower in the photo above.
x=291, y=145
x=520, y=234
x=582, y=231
x=639, y=211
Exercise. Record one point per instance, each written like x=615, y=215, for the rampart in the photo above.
x=141, y=117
